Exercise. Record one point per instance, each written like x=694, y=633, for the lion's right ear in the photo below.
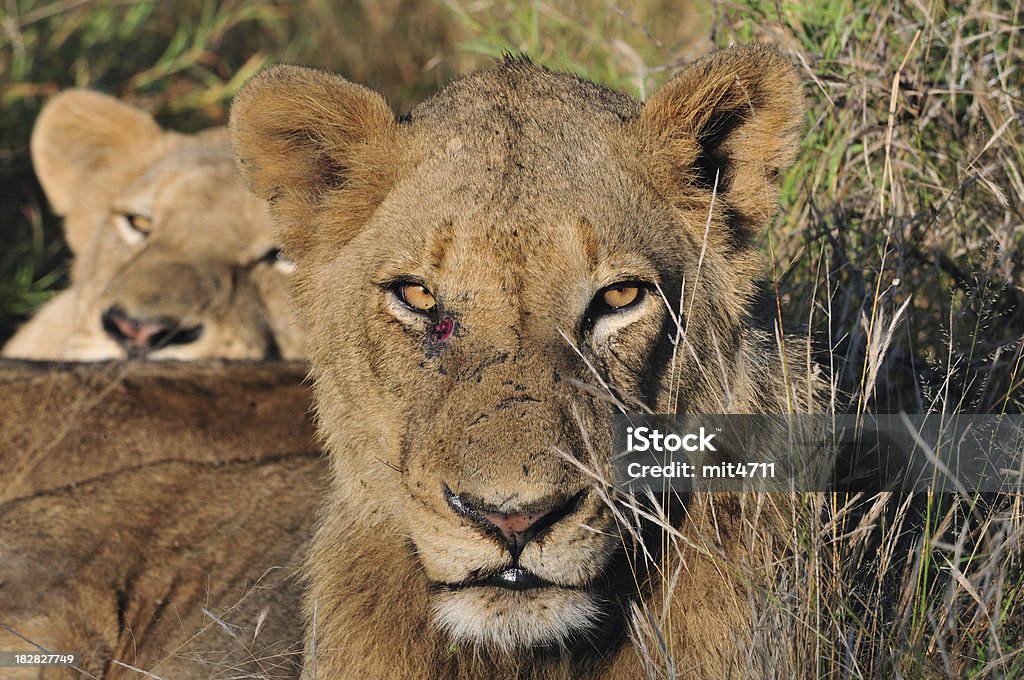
x=300, y=135
x=80, y=135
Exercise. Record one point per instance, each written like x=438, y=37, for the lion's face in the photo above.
x=481, y=336
x=183, y=266
x=484, y=283
x=174, y=258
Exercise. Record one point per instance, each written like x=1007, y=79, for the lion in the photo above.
x=484, y=282
x=161, y=527
x=173, y=258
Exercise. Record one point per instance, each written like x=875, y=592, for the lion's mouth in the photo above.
x=510, y=578
x=515, y=578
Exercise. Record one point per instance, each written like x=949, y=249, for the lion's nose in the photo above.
x=517, y=527
x=143, y=335
x=514, y=525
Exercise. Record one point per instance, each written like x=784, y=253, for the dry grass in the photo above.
x=900, y=238
x=899, y=244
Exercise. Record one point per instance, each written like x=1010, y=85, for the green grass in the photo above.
x=906, y=203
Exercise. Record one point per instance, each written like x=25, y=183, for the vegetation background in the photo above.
x=898, y=245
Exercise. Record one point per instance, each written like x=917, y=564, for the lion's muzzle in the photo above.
x=140, y=336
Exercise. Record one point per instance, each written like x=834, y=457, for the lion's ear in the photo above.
x=79, y=136
x=300, y=134
x=735, y=115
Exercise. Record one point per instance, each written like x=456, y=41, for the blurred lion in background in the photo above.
x=173, y=258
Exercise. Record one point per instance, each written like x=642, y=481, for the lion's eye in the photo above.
x=619, y=296
x=415, y=296
x=140, y=223
x=276, y=258
x=133, y=227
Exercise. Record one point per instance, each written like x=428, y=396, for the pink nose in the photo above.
x=513, y=525
x=139, y=336
x=516, y=529
x=139, y=333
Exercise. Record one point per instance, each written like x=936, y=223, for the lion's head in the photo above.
x=174, y=259
x=484, y=282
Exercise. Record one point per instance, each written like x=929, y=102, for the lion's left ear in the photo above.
x=736, y=114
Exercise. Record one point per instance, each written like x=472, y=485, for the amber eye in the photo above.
x=620, y=295
x=139, y=223
x=414, y=296
x=133, y=227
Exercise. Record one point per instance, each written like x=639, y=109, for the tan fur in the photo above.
x=174, y=489
x=515, y=195
x=62, y=424
x=203, y=265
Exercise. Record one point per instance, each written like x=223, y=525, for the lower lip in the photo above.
x=514, y=579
